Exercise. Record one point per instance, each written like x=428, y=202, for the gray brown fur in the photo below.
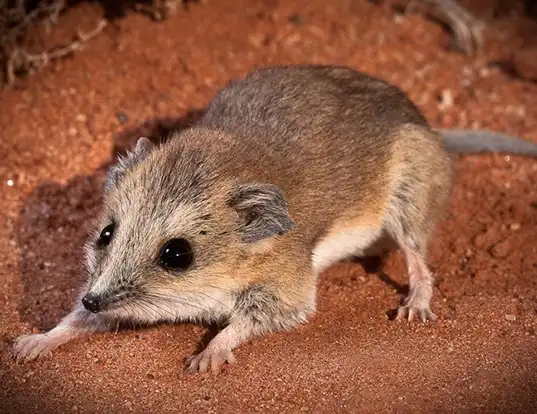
x=289, y=171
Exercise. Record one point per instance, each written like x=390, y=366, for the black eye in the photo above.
x=106, y=236
x=176, y=254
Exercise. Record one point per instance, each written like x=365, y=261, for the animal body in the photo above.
x=290, y=170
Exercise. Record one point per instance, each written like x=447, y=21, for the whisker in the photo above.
x=156, y=302
x=189, y=301
x=218, y=288
x=149, y=305
x=181, y=301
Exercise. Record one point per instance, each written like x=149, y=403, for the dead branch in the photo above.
x=466, y=29
x=20, y=59
x=23, y=20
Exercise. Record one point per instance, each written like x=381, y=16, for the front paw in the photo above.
x=209, y=359
x=30, y=347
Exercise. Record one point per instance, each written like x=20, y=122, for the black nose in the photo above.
x=91, y=303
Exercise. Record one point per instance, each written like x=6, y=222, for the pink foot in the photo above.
x=417, y=304
x=209, y=359
x=30, y=347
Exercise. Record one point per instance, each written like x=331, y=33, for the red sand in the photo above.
x=61, y=126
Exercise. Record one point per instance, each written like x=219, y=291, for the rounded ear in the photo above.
x=143, y=145
x=262, y=210
x=141, y=150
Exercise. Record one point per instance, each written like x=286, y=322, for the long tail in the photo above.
x=467, y=141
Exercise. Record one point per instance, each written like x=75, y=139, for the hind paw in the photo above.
x=409, y=311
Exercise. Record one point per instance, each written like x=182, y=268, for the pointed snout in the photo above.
x=92, y=302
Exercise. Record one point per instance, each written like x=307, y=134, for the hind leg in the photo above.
x=413, y=243
x=418, y=301
x=421, y=192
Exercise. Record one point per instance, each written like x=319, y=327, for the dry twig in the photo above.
x=467, y=30
x=21, y=59
x=15, y=20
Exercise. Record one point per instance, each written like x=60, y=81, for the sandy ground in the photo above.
x=61, y=128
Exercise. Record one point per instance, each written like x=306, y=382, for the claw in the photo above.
x=208, y=359
x=409, y=311
x=29, y=347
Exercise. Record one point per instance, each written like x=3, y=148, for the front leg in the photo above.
x=219, y=350
x=78, y=323
x=259, y=310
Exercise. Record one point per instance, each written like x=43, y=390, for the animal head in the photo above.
x=172, y=234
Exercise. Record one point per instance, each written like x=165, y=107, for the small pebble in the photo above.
x=484, y=72
x=122, y=117
x=295, y=19
x=466, y=82
x=446, y=99
x=510, y=318
x=501, y=250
